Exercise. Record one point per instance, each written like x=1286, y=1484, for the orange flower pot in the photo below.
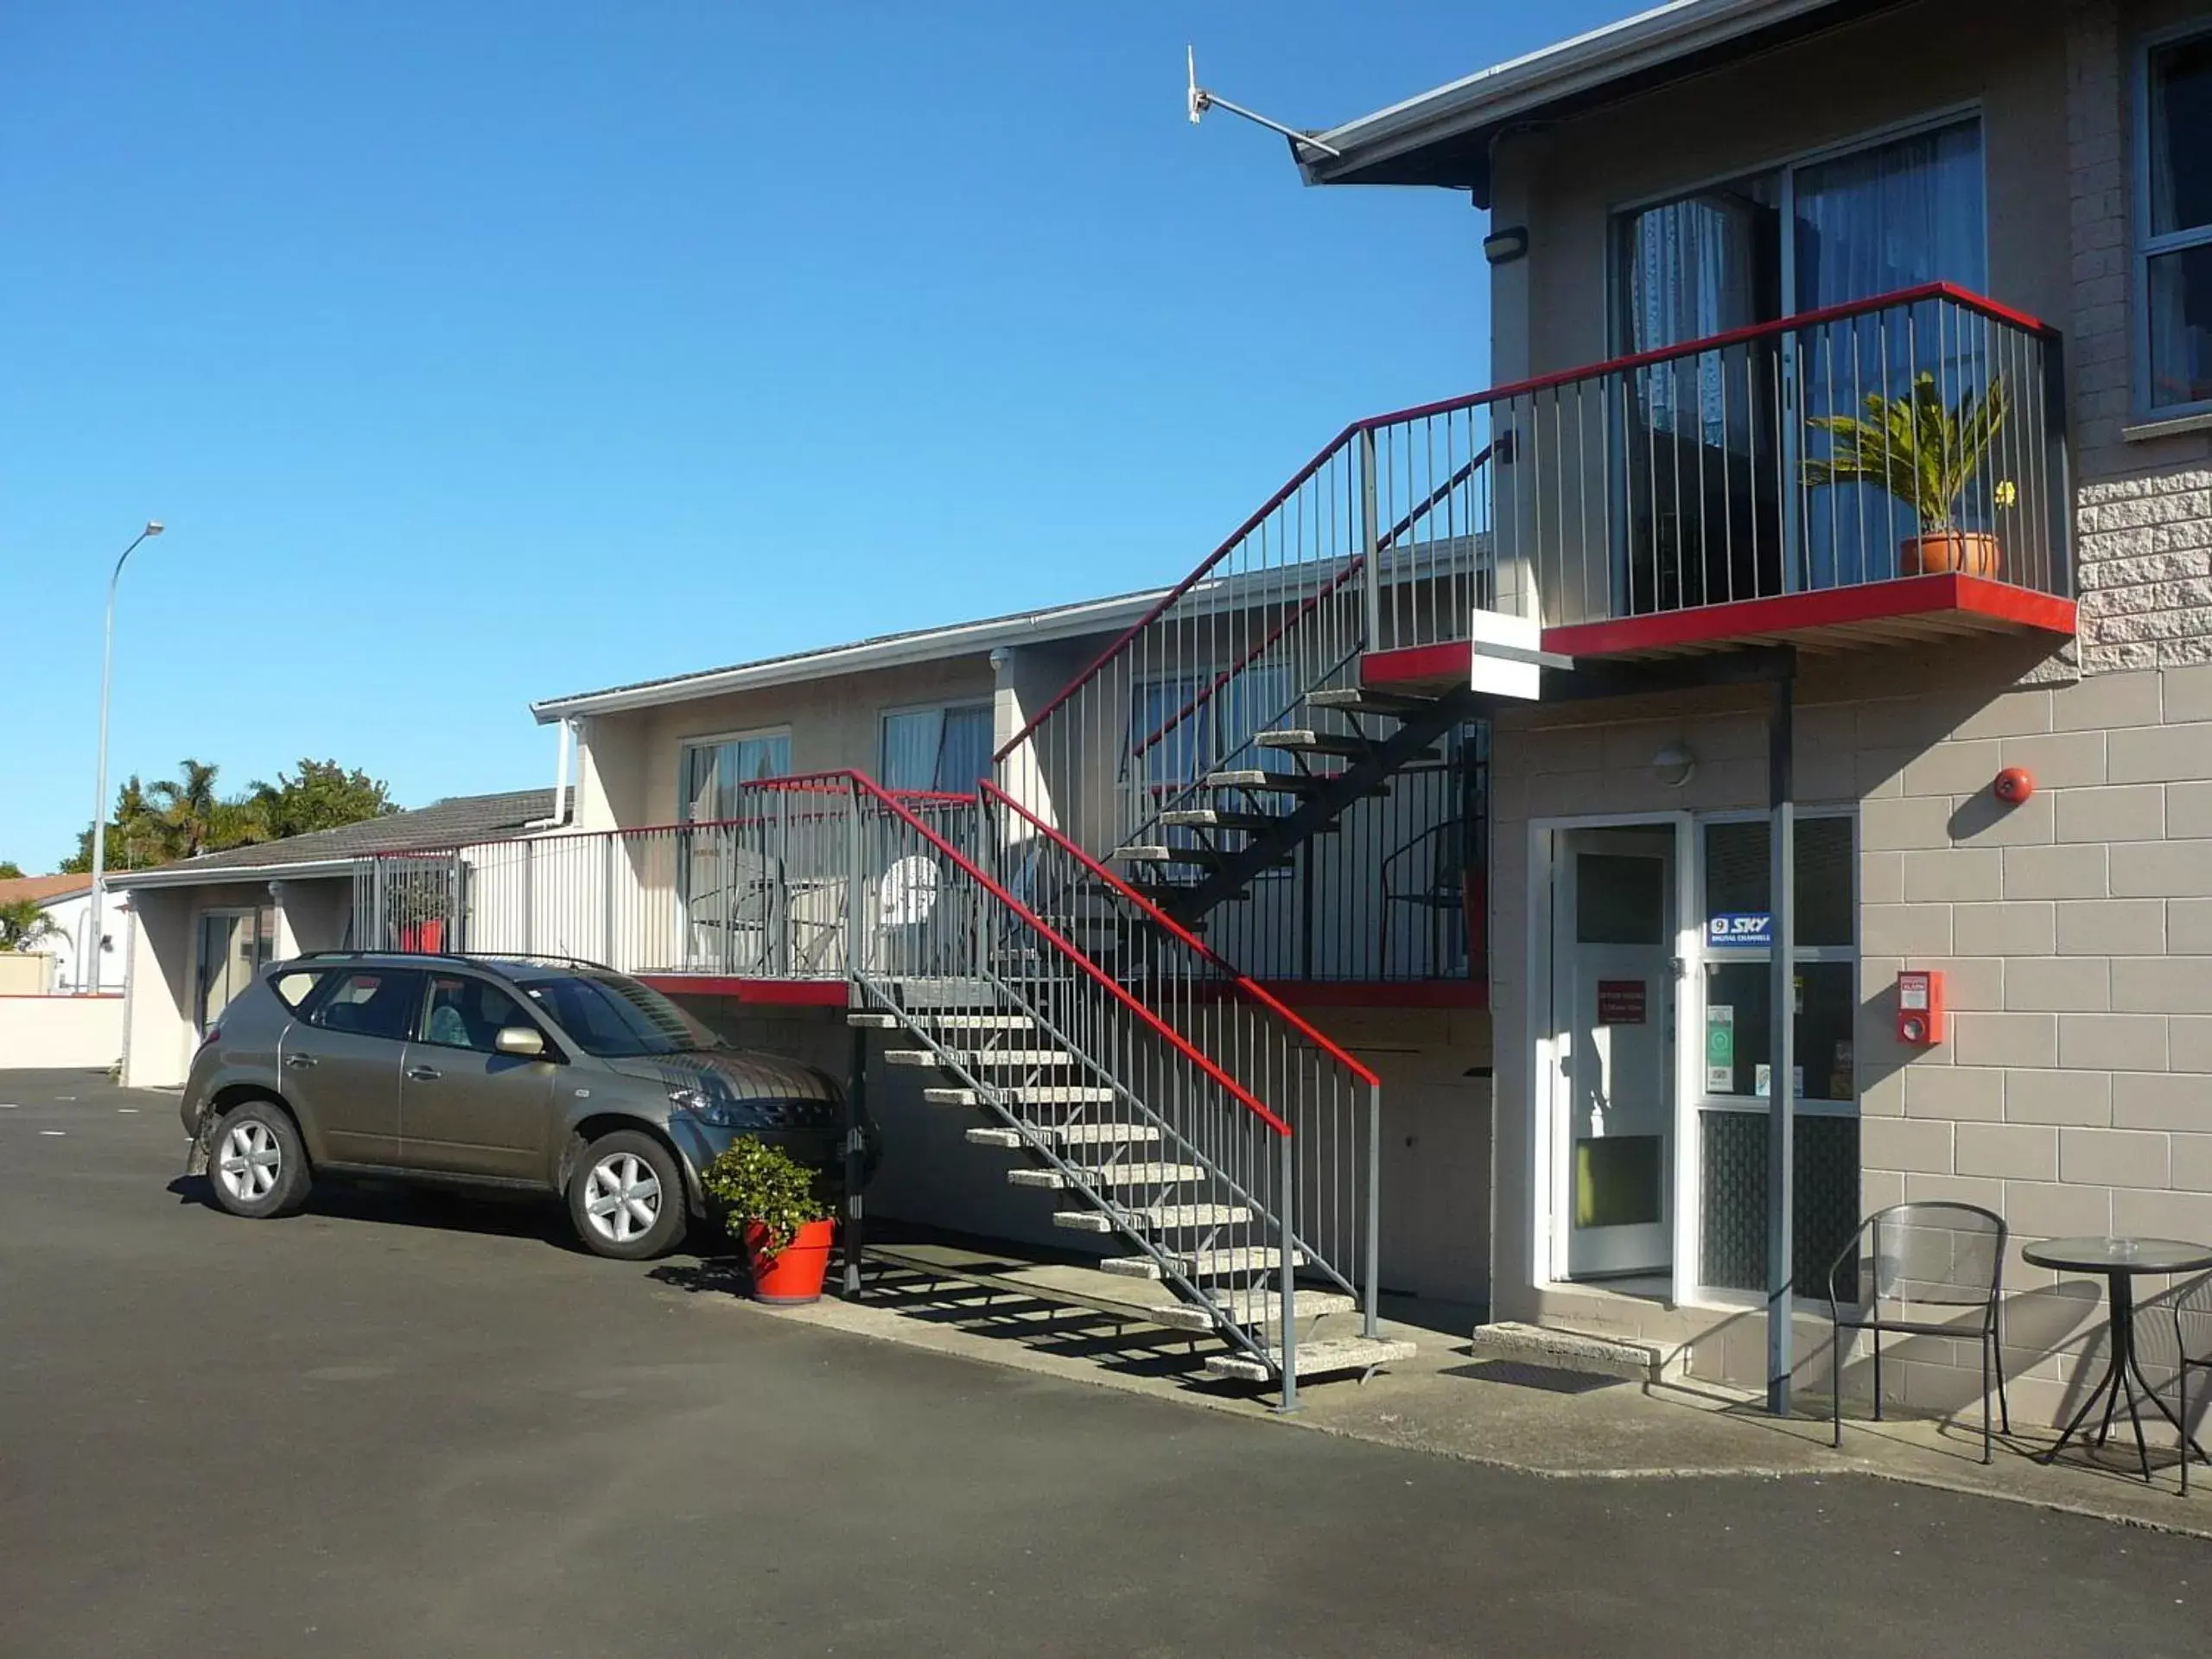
x=793, y=1274
x=1950, y=552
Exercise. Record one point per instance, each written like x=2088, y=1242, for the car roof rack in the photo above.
x=480, y=958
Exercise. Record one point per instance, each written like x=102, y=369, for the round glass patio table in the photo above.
x=2120, y=1260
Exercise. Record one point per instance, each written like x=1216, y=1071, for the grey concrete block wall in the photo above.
x=2073, y=1092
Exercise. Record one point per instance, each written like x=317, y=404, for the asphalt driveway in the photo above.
x=419, y=1426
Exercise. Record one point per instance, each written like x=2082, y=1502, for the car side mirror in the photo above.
x=521, y=1040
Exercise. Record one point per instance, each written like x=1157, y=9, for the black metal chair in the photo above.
x=1929, y=1255
x=2192, y=1352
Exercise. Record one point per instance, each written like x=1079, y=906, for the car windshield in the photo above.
x=614, y=1017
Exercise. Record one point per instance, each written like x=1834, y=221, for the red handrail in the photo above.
x=1249, y=987
x=869, y=786
x=1957, y=296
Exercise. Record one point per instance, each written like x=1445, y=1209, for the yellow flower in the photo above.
x=2008, y=494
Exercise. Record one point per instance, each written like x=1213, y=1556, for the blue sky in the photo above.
x=481, y=353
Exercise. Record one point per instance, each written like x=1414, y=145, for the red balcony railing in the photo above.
x=1917, y=432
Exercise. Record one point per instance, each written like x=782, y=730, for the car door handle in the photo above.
x=300, y=1060
x=422, y=1074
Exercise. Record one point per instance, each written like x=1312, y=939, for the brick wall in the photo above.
x=2074, y=1092
x=2143, y=532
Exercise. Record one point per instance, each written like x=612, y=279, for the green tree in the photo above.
x=23, y=924
x=189, y=806
x=9, y=870
x=182, y=817
x=317, y=795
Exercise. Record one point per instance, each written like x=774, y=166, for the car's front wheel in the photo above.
x=626, y=1198
x=256, y=1162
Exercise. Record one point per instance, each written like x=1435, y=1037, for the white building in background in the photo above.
x=67, y=901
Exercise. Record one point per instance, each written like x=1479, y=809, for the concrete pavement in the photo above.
x=411, y=1424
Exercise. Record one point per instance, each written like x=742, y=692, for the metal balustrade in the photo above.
x=1702, y=475
x=1228, y=1144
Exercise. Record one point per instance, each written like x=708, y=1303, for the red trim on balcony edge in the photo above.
x=801, y=993
x=1827, y=607
x=1454, y=661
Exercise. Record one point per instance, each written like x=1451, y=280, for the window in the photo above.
x=2174, y=223
x=294, y=988
x=715, y=770
x=372, y=1002
x=467, y=1013
x=938, y=748
x=614, y=1017
x=1185, y=726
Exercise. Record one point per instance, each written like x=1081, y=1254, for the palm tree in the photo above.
x=188, y=806
x=23, y=924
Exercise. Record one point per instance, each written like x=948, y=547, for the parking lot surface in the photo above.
x=410, y=1424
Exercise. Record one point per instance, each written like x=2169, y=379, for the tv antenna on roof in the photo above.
x=1199, y=101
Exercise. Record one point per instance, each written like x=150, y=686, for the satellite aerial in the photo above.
x=1196, y=101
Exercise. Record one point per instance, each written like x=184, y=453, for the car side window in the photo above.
x=371, y=1003
x=294, y=988
x=465, y=1012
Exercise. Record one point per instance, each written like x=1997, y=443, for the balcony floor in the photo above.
x=1871, y=616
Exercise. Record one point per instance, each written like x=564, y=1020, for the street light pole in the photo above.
x=100, y=789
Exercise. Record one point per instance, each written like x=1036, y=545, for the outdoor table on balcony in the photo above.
x=2120, y=1260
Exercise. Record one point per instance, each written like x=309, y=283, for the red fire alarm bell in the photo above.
x=1920, y=1007
x=2014, y=784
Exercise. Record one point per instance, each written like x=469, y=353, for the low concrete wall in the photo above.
x=25, y=973
x=61, y=1031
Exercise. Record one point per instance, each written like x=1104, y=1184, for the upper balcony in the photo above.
x=1893, y=469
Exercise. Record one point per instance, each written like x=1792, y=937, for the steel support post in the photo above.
x=1781, y=1004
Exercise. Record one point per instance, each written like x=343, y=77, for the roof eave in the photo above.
x=960, y=639
x=174, y=875
x=1526, y=88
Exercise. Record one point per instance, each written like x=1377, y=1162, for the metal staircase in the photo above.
x=1225, y=1146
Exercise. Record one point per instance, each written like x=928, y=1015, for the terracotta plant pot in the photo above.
x=1950, y=552
x=794, y=1274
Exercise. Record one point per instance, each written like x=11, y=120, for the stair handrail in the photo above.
x=1232, y=975
x=1966, y=298
x=869, y=788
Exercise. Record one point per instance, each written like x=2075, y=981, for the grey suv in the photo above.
x=524, y=1074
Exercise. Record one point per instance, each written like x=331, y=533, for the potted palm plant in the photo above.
x=776, y=1208
x=1925, y=454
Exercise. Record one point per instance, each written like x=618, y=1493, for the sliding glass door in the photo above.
x=1711, y=501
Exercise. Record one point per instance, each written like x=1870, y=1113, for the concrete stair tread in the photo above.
x=1627, y=1359
x=1107, y=1175
x=1204, y=1264
x=1068, y=1135
x=1306, y=740
x=1044, y=1094
x=1160, y=1217
x=1216, y=818
x=979, y=1021
x=873, y=1021
x=1155, y=853
x=1359, y=700
x=975, y=1058
x=1255, y=1306
x=1313, y=1359
x=1279, y=782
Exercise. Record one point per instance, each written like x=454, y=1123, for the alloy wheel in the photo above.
x=251, y=1161
x=622, y=1197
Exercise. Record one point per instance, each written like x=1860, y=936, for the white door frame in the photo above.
x=1546, y=1103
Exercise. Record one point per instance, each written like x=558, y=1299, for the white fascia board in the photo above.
x=117, y=879
x=1579, y=64
x=961, y=639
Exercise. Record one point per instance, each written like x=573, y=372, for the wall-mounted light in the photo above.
x=1503, y=247
x=1673, y=765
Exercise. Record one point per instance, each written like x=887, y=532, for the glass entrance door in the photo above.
x=1613, y=1011
x=232, y=944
